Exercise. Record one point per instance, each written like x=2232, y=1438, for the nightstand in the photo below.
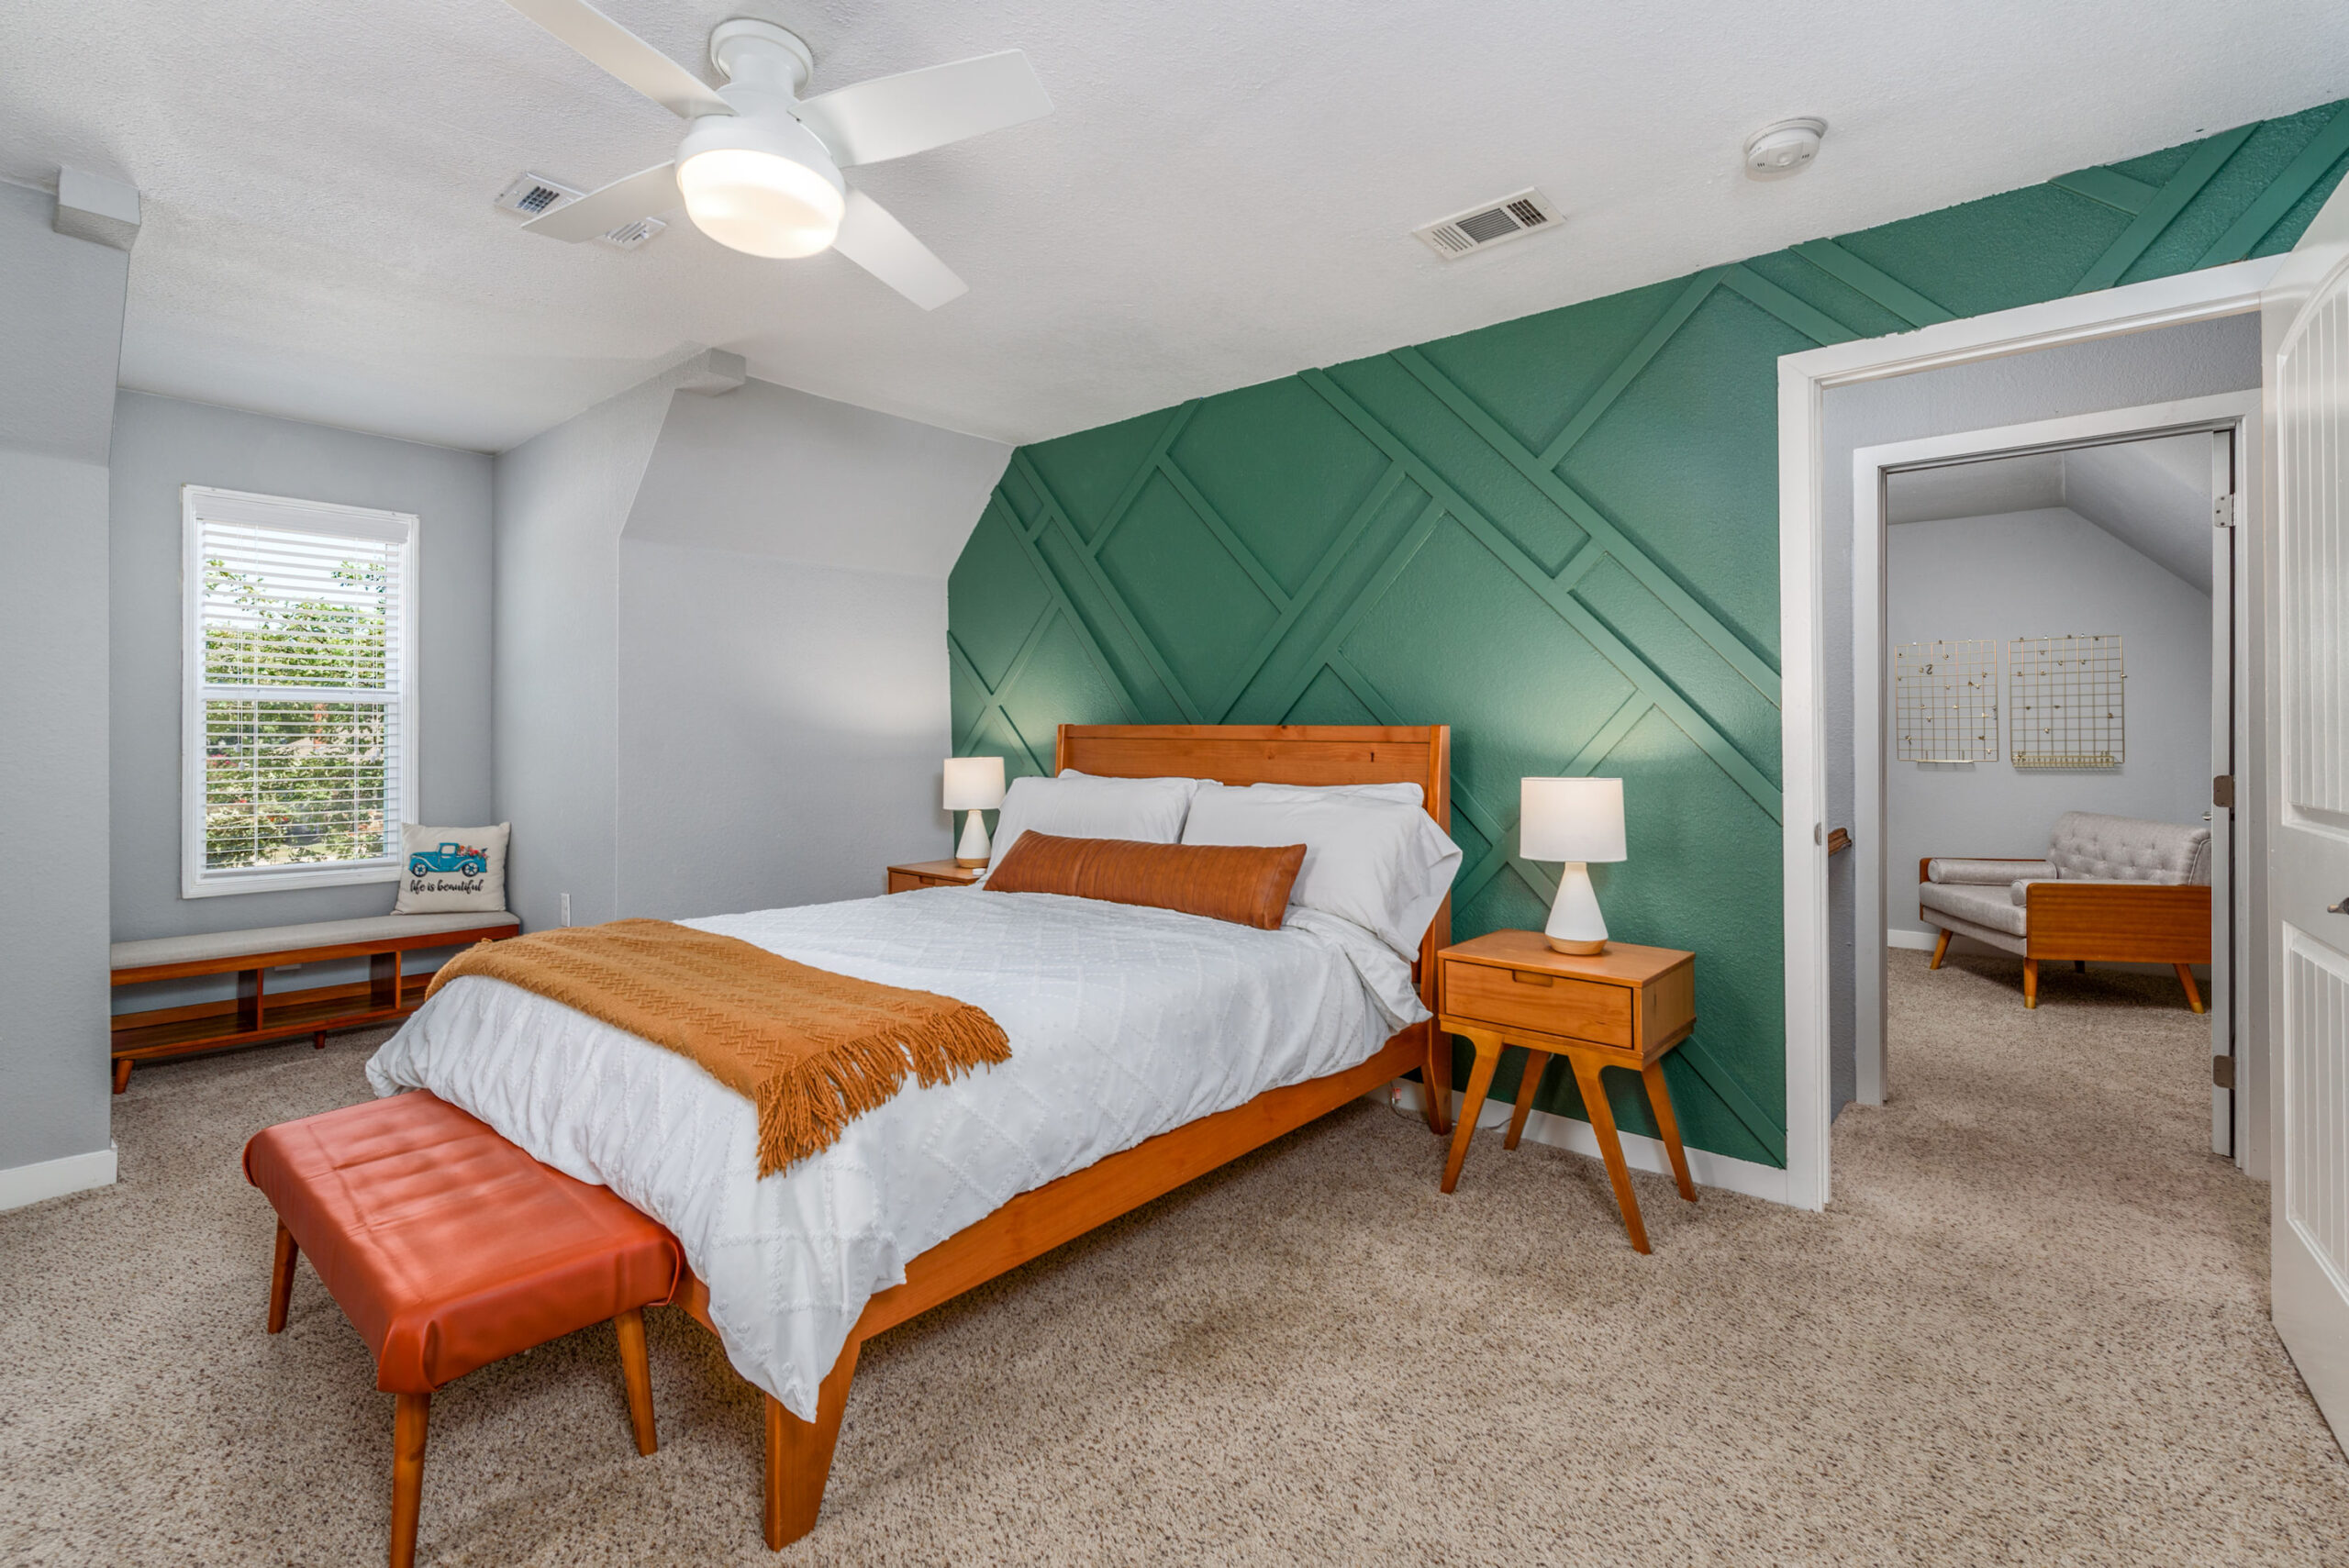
x=1624, y=1007
x=931, y=874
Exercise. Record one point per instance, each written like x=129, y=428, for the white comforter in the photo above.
x=1124, y=1022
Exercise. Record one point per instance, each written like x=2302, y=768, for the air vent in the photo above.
x=531, y=195
x=1482, y=228
x=629, y=236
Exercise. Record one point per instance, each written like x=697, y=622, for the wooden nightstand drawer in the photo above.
x=1553, y=1004
x=914, y=876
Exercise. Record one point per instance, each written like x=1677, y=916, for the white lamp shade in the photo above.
x=973, y=783
x=1571, y=819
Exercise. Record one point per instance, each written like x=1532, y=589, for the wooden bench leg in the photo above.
x=409, y=1418
x=280, y=1278
x=637, y=1373
x=799, y=1454
x=2185, y=978
x=122, y=1065
x=1941, y=950
x=2031, y=982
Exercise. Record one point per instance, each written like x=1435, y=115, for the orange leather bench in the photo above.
x=448, y=1248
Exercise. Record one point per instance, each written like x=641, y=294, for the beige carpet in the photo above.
x=2031, y=1330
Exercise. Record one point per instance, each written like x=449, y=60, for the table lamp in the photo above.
x=974, y=785
x=1576, y=821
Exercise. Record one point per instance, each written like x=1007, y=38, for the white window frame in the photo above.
x=198, y=502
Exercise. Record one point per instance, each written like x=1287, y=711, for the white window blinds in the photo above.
x=300, y=719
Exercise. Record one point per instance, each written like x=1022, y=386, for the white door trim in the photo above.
x=2236, y=411
x=1803, y=380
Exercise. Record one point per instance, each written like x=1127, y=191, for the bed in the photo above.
x=1149, y=1048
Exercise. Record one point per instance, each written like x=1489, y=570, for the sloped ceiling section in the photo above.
x=1223, y=193
x=1560, y=537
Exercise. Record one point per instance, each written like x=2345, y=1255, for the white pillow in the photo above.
x=1080, y=805
x=1371, y=856
x=448, y=870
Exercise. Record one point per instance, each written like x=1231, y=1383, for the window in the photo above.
x=299, y=708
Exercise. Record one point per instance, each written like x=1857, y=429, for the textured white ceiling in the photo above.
x=1222, y=196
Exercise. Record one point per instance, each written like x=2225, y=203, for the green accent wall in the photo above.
x=1558, y=535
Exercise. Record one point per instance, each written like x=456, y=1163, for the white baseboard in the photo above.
x=1705, y=1168
x=1923, y=941
x=22, y=1184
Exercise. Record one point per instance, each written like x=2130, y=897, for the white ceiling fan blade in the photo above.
x=606, y=43
x=886, y=248
x=600, y=212
x=890, y=117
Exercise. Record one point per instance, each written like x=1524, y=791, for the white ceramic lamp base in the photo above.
x=1576, y=926
x=974, y=849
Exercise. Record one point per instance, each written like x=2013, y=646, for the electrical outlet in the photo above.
x=566, y=909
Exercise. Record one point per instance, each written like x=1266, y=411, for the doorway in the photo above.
x=2020, y=596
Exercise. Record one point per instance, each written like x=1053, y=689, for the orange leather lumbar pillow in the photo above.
x=1246, y=885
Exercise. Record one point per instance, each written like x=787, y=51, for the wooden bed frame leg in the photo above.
x=637, y=1373
x=122, y=1065
x=2031, y=982
x=281, y=1279
x=1941, y=950
x=2185, y=978
x=1435, y=1079
x=409, y=1419
x=799, y=1454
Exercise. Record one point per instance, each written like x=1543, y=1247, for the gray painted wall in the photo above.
x=721, y=676
x=2031, y=573
x=61, y=339
x=162, y=444
x=2196, y=359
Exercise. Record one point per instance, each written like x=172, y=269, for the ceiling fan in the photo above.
x=759, y=169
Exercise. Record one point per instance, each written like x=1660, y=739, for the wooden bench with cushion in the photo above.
x=448, y=1249
x=252, y=1017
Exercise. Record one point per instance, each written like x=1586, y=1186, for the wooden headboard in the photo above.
x=1281, y=753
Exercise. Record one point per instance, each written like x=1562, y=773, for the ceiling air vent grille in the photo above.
x=1494, y=223
x=629, y=236
x=531, y=195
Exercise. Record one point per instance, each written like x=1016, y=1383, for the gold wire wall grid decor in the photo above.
x=1946, y=700
x=2064, y=706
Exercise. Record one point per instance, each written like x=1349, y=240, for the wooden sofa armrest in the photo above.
x=2121, y=922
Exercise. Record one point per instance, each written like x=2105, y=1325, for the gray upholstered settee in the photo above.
x=2116, y=888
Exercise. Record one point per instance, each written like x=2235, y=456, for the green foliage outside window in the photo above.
x=297, y=776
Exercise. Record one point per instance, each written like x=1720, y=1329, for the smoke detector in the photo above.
x=1783, y=148
x=1493, y=223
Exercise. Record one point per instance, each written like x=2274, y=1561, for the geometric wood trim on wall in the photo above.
x=1559, y=535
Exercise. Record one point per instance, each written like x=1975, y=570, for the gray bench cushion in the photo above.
x=279, y=938
x=1988, y=872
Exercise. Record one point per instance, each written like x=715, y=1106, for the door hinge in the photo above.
x=2223, y=1072
x=2223, y=512
x=2223, y=791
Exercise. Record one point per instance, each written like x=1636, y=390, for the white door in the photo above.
x=2308, y=807
x=2221, y=815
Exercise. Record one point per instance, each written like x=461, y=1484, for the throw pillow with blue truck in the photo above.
x=448, y=870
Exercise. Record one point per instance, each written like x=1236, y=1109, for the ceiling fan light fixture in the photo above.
x=761, y=184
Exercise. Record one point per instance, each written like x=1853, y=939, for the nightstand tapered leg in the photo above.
x=1536, y=1062
x=1602, y=1122
x=1480, y=1080
x=1660, y=1101
x=1435, y=1078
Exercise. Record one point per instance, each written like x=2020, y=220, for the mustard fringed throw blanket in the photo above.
x=811, y=1050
